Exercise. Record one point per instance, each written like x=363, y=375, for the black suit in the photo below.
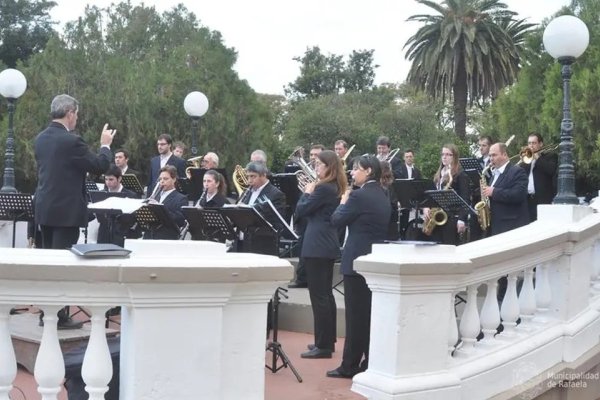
x=320, y=248
x=396, y=165
x=175, y=161
x=508, y=202
x=416, y=174
x=172, y=203
x=276, y=196
x=545, y=170
x=63, y=160
x=120, y=225
x=216, y=202
x=366, y=214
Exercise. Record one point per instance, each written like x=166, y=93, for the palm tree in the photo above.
x=470, y=50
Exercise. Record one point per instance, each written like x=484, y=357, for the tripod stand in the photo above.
x=274, y=346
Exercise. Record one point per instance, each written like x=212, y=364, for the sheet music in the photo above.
x=283, y=221
x=126, y=205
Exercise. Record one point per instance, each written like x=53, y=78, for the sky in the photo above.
x=268, y=34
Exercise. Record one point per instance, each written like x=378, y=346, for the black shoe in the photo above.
x=65, y=324
x=316, y=353
x=339, y=373
x=312, y=347
x=297, y=285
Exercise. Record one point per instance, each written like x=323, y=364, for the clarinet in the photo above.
x=202, y=197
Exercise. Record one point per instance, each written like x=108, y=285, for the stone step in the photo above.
x=27, y=335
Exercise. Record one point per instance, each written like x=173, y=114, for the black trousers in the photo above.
x=532, y=206
x=319, y=273
x=357, y=297
x=59, y=237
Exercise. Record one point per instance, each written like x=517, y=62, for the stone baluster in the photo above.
x=490, y=313
x=595, y=274
x=527, y=297
x=453, y=334
x=8, y=362
x=510, y=306
x=97, y=370
x=469, y=323
x=49, y=368
x=542, y=292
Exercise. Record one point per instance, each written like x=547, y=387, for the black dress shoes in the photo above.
x=297, y=285
x=312, y=347
x=339, y=373
x=64, y=324
x=316, y=353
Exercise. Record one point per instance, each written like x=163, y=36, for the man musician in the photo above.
x=541, y=173
x=383, y=152
x=121, y=225
x=261, y=189
x=122, y=161
x=165, y=157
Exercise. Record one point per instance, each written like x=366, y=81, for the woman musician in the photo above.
x=320, y=247
x=215, y=189
x=450, y=175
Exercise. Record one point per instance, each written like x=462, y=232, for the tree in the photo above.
x=25, y=28
x=322, y=75
x=469, y=51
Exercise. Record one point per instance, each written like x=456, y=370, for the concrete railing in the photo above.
x=193, y=317
x=421, y=349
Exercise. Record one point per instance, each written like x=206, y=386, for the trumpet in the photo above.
x=194, y=163
x=527, y=155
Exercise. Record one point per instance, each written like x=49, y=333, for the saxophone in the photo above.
x=437, y=216
x=483, y=206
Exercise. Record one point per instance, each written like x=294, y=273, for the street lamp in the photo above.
x=12, y=86
x=565, y=39
x=196, y=105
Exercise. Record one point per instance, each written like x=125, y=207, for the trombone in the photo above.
x=526, y=154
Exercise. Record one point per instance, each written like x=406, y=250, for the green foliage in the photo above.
x=322, y=75
x=534, y=104
x=132, y=67
x=25, y=27
x=469, y=51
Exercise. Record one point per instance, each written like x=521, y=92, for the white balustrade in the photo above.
x=183, y=303
x=543, y=296
x=490, y=314
x=527, y=297
x=470, y=325
x=453, y=334
x=509, y=311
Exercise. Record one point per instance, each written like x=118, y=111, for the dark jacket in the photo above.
x=172, y=204
x=63, y=160
x=545, y=173
x=508, y=203
x=216, y=202
x=366, y=214
x=276, y=197
x=175, y=161
x=416, y=174
x=320, y=237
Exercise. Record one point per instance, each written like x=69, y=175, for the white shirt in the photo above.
x=163, y=159
x=530, y=184
x=409, y=171
x=164, y=195
x=498, y=172
x=255, y=193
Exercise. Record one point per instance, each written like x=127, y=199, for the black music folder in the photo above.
x=99, y=250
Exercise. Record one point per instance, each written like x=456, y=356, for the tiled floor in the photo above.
x=280, y=385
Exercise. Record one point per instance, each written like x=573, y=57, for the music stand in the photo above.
x=131, y=182
x=90, y=186
x=259, y=235
x=411, y=192
x=470, y=164
x=152, y=217
x=288, y=184
x=16, y=207
x=208, y=224
x=450, y=202
x=108, y=214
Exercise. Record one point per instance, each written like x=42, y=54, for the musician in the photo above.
x=122, y=161
x=210, y=161
x=258, y=155
x=261, y=189
x=450, y=175
x=341, y=148
x=179, y=149
x=122, y=223
x=165, y=157
x=320, y=247
x=168, y=196
x=383, y=151
x=507, y=192
x=409, y=171
x=387, y=179
x=63, y=159
x=484, y=144
x=315, y=150
x=542, y=175
x=365, y=211
x=215, y=190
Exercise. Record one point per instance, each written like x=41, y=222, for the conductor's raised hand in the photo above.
x=107, y=136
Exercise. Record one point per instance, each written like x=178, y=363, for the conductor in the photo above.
x=63, y=159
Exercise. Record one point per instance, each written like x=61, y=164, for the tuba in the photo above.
x=306, y=174
x=437, y=216
x=240, y=179
x=194, y=163
x=483, y=206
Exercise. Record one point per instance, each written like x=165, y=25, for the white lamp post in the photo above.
x=565, y=39
x=12, y=86
x=195, y=105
